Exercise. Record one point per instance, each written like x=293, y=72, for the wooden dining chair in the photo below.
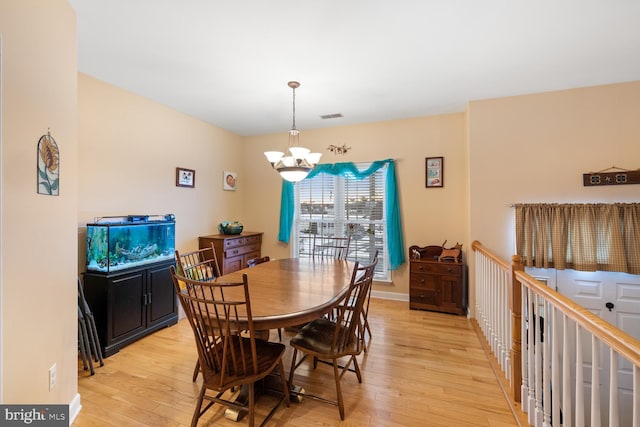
x=202, y=265
x=230, y=355
x=366, y=329
x=255, y=261
x=364, y=316
x=332, y=339
x=330, y=246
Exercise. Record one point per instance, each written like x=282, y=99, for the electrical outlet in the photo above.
x=52, y=376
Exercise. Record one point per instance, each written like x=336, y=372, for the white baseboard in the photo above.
x=74, y=408
x=395, y=296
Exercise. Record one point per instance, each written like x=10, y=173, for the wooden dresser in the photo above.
x=233, y=250
x=436, y=285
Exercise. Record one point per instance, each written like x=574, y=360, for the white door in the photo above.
x=615, y=297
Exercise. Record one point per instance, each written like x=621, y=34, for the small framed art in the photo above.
x=434, y=172
x=185, y=177
x=48, y=166
x=230, y=181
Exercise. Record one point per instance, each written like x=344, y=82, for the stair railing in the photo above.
x=559, y=378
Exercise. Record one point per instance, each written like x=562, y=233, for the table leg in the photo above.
x=241, y=399
x=296, y=394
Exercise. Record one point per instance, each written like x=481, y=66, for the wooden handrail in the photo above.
x=621, y=342
x=477, y=246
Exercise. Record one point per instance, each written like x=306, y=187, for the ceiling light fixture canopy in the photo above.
x=301, y=161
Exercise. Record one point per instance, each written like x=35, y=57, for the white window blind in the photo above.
x=327, y=205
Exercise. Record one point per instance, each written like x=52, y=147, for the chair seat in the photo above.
x=269, y=354
x=317, y=337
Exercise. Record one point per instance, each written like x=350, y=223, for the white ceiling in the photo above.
x=228, y=62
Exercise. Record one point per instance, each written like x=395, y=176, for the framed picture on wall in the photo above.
x=230, y=181
x=434, y=176
x=185, y=177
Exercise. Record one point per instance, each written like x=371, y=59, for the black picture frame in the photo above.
x=434, y=172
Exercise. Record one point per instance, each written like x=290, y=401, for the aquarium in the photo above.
x=117, y=243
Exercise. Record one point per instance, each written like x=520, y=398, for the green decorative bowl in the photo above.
x=230, y=228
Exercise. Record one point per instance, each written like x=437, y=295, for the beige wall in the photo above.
x=129, y=150
x=38, y=292
x=535, y=148
x=430, y=216
x=130, y=146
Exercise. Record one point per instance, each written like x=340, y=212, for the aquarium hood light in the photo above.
x=128, y=219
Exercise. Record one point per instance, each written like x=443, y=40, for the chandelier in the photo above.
x=296, y=166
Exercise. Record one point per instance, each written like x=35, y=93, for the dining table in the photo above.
x=293, y=291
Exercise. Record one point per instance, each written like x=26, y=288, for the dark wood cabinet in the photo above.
x=437, y=285
x=130, y=304
x=233, y=250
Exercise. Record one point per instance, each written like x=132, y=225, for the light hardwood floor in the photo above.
x=421, y=369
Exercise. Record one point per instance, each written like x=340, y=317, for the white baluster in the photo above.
x=567, y=412
x=499, y=315
x=508, y=331
x=524, y=310
x=579, y=380
x=479, y=271
x=538, y=358
x=492, y=319
x=486, y=304
x=546, y=322
x=481, y=286
x=595, y=382
x=531, y=359
x=613, y=389
x=636, y=396
x=555, y=367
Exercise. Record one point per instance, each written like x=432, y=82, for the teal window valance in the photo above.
x=350, y=171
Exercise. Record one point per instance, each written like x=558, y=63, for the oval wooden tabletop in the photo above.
x=293, y=291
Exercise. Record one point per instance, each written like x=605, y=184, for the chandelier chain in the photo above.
x=294, y=109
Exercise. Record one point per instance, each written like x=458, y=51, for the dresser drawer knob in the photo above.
x=422, y=281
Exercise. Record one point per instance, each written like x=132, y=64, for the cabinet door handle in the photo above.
x=149, y=298
x=144, y=299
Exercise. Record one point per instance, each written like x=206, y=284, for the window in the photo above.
x=329, y=205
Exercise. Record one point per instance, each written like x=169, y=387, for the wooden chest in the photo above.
x=233, y=251
x=438, y=286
